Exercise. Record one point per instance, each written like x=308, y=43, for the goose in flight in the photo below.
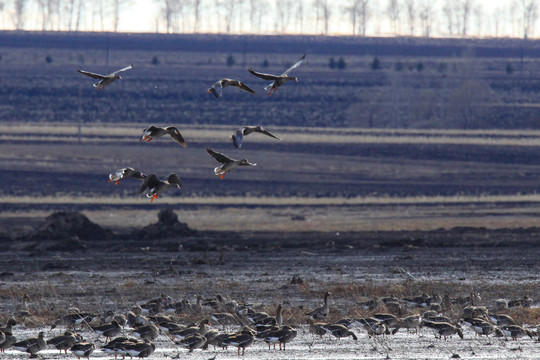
x=217, y=88
x=278, y=80
x=105, y=80
x=124, y=173
x=155, y=186
x=227, y=164
x=238, y=135
x=153, y=132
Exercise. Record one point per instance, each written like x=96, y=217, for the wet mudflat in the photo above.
x=268, y=274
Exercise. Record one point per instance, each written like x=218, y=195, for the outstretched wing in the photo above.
x=218, y=156
x=297, y=64
x=237, y=138
x=92, y=75
x=175, y=134
x=123, y=69
x=243, y=86
x=262, y=130
x=263, y=75
x=149, y=183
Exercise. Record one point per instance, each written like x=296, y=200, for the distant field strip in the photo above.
x=131, y=133
x=273, y=201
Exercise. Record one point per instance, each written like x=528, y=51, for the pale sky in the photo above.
x=487, y=18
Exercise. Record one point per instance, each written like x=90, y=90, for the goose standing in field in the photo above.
x=9, y=326
x=239, y=134
x=339, y=331
x=64, y=342
x=241, y=340
x=155, y=186
x=8, y=341
x=320, y=313
x=108, y=330
x=227, y=164
x=140, y=349
x=83, y=349
x=32, y=345
x=105, y=80
x=515, y=331
x=153, y=132
x=278, y=80
x=217, y=88
x=124, y=173
x=281, y=336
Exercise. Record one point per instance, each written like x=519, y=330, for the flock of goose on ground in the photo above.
x=151, y=184
x=224, y=323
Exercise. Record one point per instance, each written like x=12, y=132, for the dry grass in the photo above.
x=130, y=133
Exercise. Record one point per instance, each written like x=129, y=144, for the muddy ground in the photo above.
x=267, y=268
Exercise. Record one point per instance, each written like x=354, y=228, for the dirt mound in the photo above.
x=167, y=227
x=64, y=225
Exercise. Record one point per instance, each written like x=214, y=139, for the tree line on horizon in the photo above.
x=424, y=18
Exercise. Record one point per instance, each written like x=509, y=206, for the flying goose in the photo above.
x=278, y=80
x=239, y=134
x=320, y=313
x=227, y=164
x=217, y=88
x=155, y=186
x=153, y=132
x=105, y=80
x=124, y=173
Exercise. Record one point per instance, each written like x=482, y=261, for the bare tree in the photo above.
x=410, y=10
x=169, y=12
x=353, y=11
x=449, y=16
x=283, y=15
x=117, y=6
x=298, y=10
x=426, y=17
x=478, y=14
x=43, y=10
x=196, y=14
x=496, y=20
x=465, y=8
x=231, y=7
x=323, y=9
x=19, y=13
x=530, y=15
x=393, y=11
x=364, y=14
x=2, y=6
